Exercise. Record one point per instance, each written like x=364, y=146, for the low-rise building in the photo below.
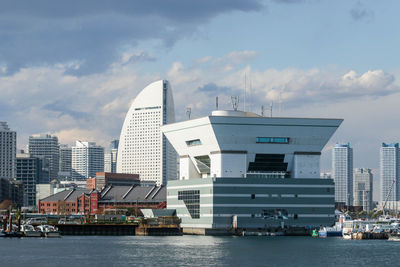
x=90, y=201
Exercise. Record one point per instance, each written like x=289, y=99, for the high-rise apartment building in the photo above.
x=342, y=173
x=110, y=157
x=64, y=172
x=363, y=188
x=8, y=148
x=28, y=172
x=46, y=148
x=12, y=191
x=390, y=170
x=143, y=149
x=87, y=159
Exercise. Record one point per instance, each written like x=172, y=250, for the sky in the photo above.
x=72, y=68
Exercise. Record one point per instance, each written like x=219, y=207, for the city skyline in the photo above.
x=317, y=57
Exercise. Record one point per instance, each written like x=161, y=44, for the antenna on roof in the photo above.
x=251, y=98
x=235, y=102
x=272, y=103
x=188, y=112
x=216, y=103
x=280, y=102
x=244, y=103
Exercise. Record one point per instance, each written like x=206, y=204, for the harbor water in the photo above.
x=196, y=251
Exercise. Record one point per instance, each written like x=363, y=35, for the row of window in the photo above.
x=273, y=140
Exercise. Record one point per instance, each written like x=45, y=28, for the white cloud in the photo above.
x=92, y=107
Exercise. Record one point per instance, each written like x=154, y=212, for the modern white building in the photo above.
x=45, y=147
x=8, y=151
x=242, y=170
x=390, y=171
x=87, y=159
x=342, y=173
x=363, y=188
x=143, y=149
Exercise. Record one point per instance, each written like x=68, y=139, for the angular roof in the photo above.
x=116, y=193
x=134, y=193
x=67, y=195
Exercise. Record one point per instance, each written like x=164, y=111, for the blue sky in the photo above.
x=72, y=68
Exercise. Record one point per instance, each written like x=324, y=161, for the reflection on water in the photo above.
x=196, y=251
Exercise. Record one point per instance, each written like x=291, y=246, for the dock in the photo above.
x=119, y=229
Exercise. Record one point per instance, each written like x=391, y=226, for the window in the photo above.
x=272, y=140
x=195, y=142
x=253, y=196
x=191, y=198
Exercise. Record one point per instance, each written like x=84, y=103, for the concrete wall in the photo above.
x=228, y=165
x=306, y=166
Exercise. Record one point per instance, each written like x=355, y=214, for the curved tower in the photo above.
x=143, y=149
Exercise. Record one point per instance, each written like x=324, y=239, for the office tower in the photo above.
x=110, y=157
x=390, y=169
x=143, y=149
x=46, y=148
x=342, y=173
x=8, y=148
x=64, y=172
x=363, y=188
x=28, y=172
x=87, y=159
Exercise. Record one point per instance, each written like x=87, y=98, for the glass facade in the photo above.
x=273, y=140
x=191, y=198
x=194, y=142
x=342, y=173
x=390, y=169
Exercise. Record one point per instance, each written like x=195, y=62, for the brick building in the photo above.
x=90, y=201
x=104, y=179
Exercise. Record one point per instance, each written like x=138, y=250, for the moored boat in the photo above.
x=329, y=231
x=29, y=231
x=394, y=236
x=49, y=231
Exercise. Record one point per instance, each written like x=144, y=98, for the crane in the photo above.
x=387, y=196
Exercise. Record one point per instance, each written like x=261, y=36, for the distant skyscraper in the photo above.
x=46, y=148
x=28, y=172
x=110, y=157
x=8, y=148
x=362, y=188
x=390, y=170
x=65, y=172
x=143, y=149
x=342, y=173
x=87, y=159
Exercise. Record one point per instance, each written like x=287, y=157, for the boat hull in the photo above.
x=329, y=233
x=53, y=234
x=32, y=234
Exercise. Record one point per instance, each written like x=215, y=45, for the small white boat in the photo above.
x=394, y=237
x=49, y=231
x=29, y=231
